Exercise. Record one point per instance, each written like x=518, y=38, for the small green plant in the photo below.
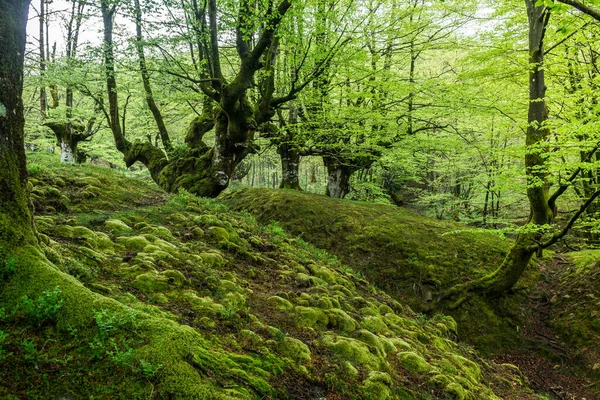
x=8, y=268
x=45, y=308
x=30, y=351
x=148, y=369
x=3, y=354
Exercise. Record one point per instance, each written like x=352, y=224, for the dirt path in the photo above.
x=546, y=361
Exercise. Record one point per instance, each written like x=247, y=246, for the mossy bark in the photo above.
x=16, y=228
x=339, y=172
x=68, y=136
x=290, y=165
x=198, y=169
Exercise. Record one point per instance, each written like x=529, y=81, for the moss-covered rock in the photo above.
x=295, y=350
x=116, y=226
x=413, y=362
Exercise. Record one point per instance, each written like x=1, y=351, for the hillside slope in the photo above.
x=409, y=256
x=245, y=311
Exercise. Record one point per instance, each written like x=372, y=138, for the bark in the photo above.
x=68, y=136
x=16, y=226
x=338, y=177
x=288, y=151
x=201, y=170
x=290, y=165
x=43, y=97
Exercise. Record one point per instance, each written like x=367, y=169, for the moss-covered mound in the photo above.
x=575, y=308
x=409, y=256
x=184, y=298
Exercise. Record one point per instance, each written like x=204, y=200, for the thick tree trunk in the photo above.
x=68, y=137
x=16, y=228
x=290, y=166
x=338, y=178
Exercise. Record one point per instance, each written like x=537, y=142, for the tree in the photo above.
x=536, y=235
x=16, y=227
x=229, y=108
x=68, y=129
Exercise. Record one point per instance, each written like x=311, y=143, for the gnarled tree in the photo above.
x=235, y=106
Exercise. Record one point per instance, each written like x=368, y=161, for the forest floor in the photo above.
x=548, y=327
x=195, y=300
x=549, y=363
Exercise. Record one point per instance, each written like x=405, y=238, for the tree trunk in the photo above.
x=338, y=180
x=290, y=166
x=541, y=212
x=43, y=97
x=68, y=136
x=16, y=228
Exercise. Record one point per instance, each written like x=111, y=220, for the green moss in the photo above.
x=219, y=233
x=214, y=260
x=150, y=282
x=280, y=303
x=134, y=243
x=116, y=226
x=375, y=324
x=413, y=362
x=310, y=317
x=353, y=350
x=340, y=320
x=295, y=350
x=174, y=277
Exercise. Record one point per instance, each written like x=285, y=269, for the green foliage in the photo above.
x=9, y=268
x=43, y=309
x=3, y=353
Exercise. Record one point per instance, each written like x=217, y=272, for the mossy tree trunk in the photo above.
x=16, y=227
x=288, y=150
x=541, y=212
x=290, y=166
x=228, y=108
x=338, y=177
x=533, y=237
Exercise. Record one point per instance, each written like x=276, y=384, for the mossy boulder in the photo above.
x=280, y=303
x=295, y=350
x=413, y=362
x=151, y=282
x=116, y=226
x=133, y=243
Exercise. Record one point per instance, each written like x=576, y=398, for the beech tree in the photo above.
x=536, y=235
x=238, y=100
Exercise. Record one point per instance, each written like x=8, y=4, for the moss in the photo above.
x=413, y=362
x=353, y=350
x=340, y=320
x=372, y=340
x=456, y=391
x=249, y=339
x=310, y=317
x=150, y=282
x=219, y=233
x=116, y=226
x=295, y=350
x=174, y=277
x=134, y=243
x=375, y=324
x=214, y=260
x=280, y=303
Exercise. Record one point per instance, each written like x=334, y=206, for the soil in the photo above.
x=547, y=362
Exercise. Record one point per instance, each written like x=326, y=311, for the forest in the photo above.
x=300, y=199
